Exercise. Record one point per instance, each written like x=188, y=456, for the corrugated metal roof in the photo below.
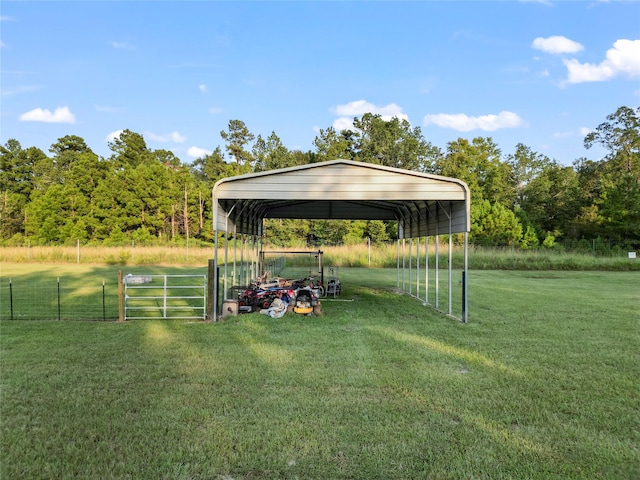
x=423, y=204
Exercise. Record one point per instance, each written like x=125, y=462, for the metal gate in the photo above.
x=165, y=296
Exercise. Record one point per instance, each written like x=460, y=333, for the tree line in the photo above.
x=523, y=199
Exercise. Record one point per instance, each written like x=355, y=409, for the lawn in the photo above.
x=541, y=383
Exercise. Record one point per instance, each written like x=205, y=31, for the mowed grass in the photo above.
x=541, y=383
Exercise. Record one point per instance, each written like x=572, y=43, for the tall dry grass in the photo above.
x=131, y=255
x=379, y=256
x=342, y=256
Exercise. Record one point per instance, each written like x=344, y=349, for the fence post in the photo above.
x=212, y=278
x=104, y=317
x=11, y=297
x=58, y=298
x=164, y=298
x=120, y=298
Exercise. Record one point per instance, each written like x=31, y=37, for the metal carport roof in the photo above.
x=423, y=204
x=345, y=190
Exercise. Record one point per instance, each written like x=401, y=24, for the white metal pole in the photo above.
x=465, y=280
x=426, y=267
x=235, y=253
x=450, y=261
x=215, y=260
x=418, y=267
x=404, y=261
x=226, y=257
x=437, y=302
x=410, y=264
x=398, y=263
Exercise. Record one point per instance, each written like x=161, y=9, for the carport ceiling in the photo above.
x=421, y=203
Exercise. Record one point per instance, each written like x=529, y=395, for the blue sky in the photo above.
x=541, y=73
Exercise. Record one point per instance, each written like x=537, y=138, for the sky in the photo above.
x=541, y=73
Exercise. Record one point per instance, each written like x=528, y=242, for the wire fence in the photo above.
x=56, y=301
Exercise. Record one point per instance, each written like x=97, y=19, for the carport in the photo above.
x=423, y=205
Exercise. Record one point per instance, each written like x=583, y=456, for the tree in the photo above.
x=529, y=238
x=270, y=154
x=333, y=145
x=298, y=157
x=18, y=169
x=66, y=150
x=494, y=224
x=238, y=137
x=211, y=167
x=167, y=158
x=129, y=150
x=60, y=214
x=133, y=198
x=393, y=143
x=525, y=165
x=376, y=231
x=618, y=206
x=551, y=202
x=620, y=135
x=479, y=165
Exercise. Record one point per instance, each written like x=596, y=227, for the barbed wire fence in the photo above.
x=57, y=301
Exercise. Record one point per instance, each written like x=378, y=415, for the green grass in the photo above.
x=541, y=383
x=34, y=288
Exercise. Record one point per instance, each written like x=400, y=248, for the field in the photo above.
x=381, y=256
x=541, y=383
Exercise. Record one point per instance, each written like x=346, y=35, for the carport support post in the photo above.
x=418, y=268
x=437, y=272
x=465, y=280
x=398, y=263
x=235, y=254
x=410, y=265
x=450, y=261
x=426, y=268
x=404, y=261
x=213, y=312
x=226, y=259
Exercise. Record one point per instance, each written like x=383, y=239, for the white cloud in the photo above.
x=360, y=107
x=203, y=88
x=168, y=137
x=123, y=45
x=20, y=89
x=215, y=110
x=343, y=123
x=556, y=45
x=197, y=152
x=563, y=134
x=113, y=135
x=584, y=131
x=622, y=59
x=465, y=123
x=107, y=109
x=59, y=115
